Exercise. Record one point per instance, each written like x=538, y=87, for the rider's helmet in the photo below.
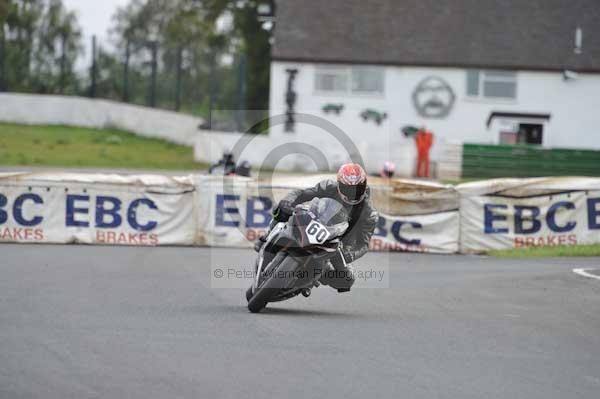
x=352, y=183
x=228, y=156
x=388, y=170
x=243, y=169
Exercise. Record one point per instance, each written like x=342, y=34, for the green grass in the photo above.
x=546, y=252
x=62, y=146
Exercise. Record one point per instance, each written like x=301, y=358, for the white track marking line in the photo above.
x=584, y=273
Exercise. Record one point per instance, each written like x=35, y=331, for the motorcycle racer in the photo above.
x=351, y=190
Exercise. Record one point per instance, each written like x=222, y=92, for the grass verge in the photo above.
x=546, y=252
x=62, y=146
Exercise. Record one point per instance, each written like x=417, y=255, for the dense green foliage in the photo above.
x=40, y=41
x=210, y=39
x=210, y=52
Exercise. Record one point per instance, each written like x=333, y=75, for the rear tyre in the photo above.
x=273, y=285
x=248, y=294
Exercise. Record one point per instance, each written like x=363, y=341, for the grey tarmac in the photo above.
x=125, y=322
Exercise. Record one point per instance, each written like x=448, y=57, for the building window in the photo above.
x=332, y=79
x=492, y=84
x=367, y=80
x=349, y=80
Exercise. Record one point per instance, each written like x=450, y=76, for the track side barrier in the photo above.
x=515, y=213
x=200, y=210
x=96, y=209
x=415, y=217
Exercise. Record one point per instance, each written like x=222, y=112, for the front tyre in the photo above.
x=273, y=285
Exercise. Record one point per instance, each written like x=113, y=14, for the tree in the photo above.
x=192, y=42
x=20, y=24
x=252, y=41
x=58, y=47
x=256, y=46
x=41, y=44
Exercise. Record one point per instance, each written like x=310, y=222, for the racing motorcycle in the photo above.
x=295, y=254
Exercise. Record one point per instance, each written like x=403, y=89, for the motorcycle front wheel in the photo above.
x=273, y=285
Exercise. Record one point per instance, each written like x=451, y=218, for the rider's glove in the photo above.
x=348, y=255
x=283, y=211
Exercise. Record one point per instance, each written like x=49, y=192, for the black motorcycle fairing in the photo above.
x=327, y=211
x=302, y=245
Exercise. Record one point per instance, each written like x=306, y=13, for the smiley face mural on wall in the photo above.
x=433, y=98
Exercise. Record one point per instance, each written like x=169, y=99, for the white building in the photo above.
x=494, y=72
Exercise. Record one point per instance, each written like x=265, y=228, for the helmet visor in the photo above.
x=352, y=194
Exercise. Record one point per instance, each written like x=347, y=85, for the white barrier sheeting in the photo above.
x=415, y=216
x=433, y=233
x=528, y=187
x=513, y=213
x=97, y=209
x=235, y=212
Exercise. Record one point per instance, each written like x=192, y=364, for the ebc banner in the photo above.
x=434, y=233
x=76, y=213
x=501, y=222
x=241, y=216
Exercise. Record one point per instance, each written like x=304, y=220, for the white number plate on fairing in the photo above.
x=317, y=233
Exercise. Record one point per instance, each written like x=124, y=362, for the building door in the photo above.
x=530, y=134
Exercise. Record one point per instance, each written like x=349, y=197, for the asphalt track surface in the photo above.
x=107, y=322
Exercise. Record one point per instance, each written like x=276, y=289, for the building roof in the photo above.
x=512, y=34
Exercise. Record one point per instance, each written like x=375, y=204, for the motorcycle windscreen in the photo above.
x=331, y=213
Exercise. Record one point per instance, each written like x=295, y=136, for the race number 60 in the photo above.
x=317, y=233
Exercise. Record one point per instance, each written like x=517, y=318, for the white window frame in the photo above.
x=333, y=69
x=353, y=83
x=349, y=73
x=483, y=77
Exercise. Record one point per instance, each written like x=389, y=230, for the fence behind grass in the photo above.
x=484, y=161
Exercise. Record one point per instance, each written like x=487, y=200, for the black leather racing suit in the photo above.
x=355, y=243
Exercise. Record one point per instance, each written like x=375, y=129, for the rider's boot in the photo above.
x=340, y=278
